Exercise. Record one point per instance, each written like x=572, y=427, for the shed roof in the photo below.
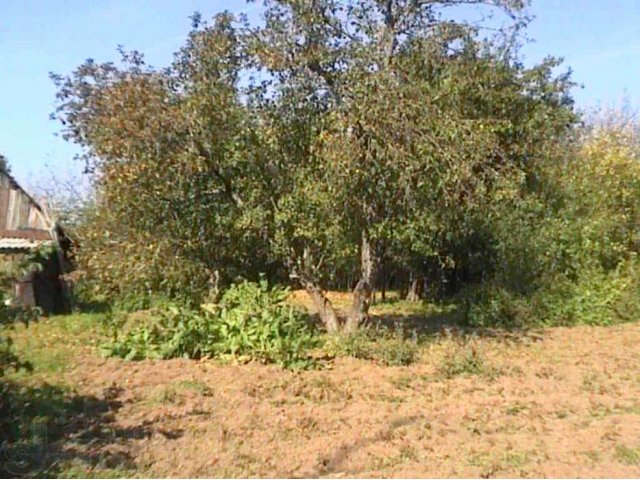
x=21, y=244
x=26, y=234
x=23, y=240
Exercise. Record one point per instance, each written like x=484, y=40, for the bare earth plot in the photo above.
x=562, y=403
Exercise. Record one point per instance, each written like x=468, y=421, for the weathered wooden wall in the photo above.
x=17, y=210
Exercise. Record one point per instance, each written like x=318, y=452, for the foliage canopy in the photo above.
x=333, y=141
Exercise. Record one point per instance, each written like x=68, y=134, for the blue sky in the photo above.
x=599, y=39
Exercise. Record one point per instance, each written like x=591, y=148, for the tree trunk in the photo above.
x=416, y=289
x=385, y=279
x=214, y=292
x=323, y=305
x=362, y=292
x=299, y=270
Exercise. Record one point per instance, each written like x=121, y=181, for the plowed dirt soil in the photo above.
x=563, y=402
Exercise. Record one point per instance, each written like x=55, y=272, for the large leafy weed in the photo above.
x=251, y=321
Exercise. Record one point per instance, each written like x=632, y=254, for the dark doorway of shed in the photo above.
x=44, y=288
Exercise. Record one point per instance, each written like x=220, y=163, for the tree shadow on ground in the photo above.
x=44, y=429
x=424, y=320
x=446, y=320
x=92, y=306
x=335, y=462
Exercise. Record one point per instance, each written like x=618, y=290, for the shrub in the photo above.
x=463, y=358
x=596, y=297
x=176, y=332
x=395, y=350
x=566, y=253
x=357, y=344
x=493, y=306
x=254, y=321
x=380, y=345
x=251, y=321
x=9, y=316
x=145, y=301
x=8, y=359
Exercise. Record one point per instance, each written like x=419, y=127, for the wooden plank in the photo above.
x=36, y=221
x=4, y=200
x=12, y=223
x=24, y=205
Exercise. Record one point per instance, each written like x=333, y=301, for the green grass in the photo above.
x=47, y=428
x=78, y=469
x=494, y=462
x=603, y=412
x=52, y=344
x=196, y=386
x=405, y=308
x=627, y=456
x=40, y=414
x=174, y=393
x=389, y=348
x=465, y=358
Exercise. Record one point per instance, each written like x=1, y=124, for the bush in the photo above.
x=357, y=344
x=493, y=306
x=395, y=350
x=250, y=321
x=595, y=297
x=463, y=358
x=254, y=321
x=567, y=252
x=9, y=316
x=380, y=345
x=174, y=333
x=8, y=359
x=145, y=301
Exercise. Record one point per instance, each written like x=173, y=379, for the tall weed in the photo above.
x=251, y=321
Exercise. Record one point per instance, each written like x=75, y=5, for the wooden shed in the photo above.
x=25, y=227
